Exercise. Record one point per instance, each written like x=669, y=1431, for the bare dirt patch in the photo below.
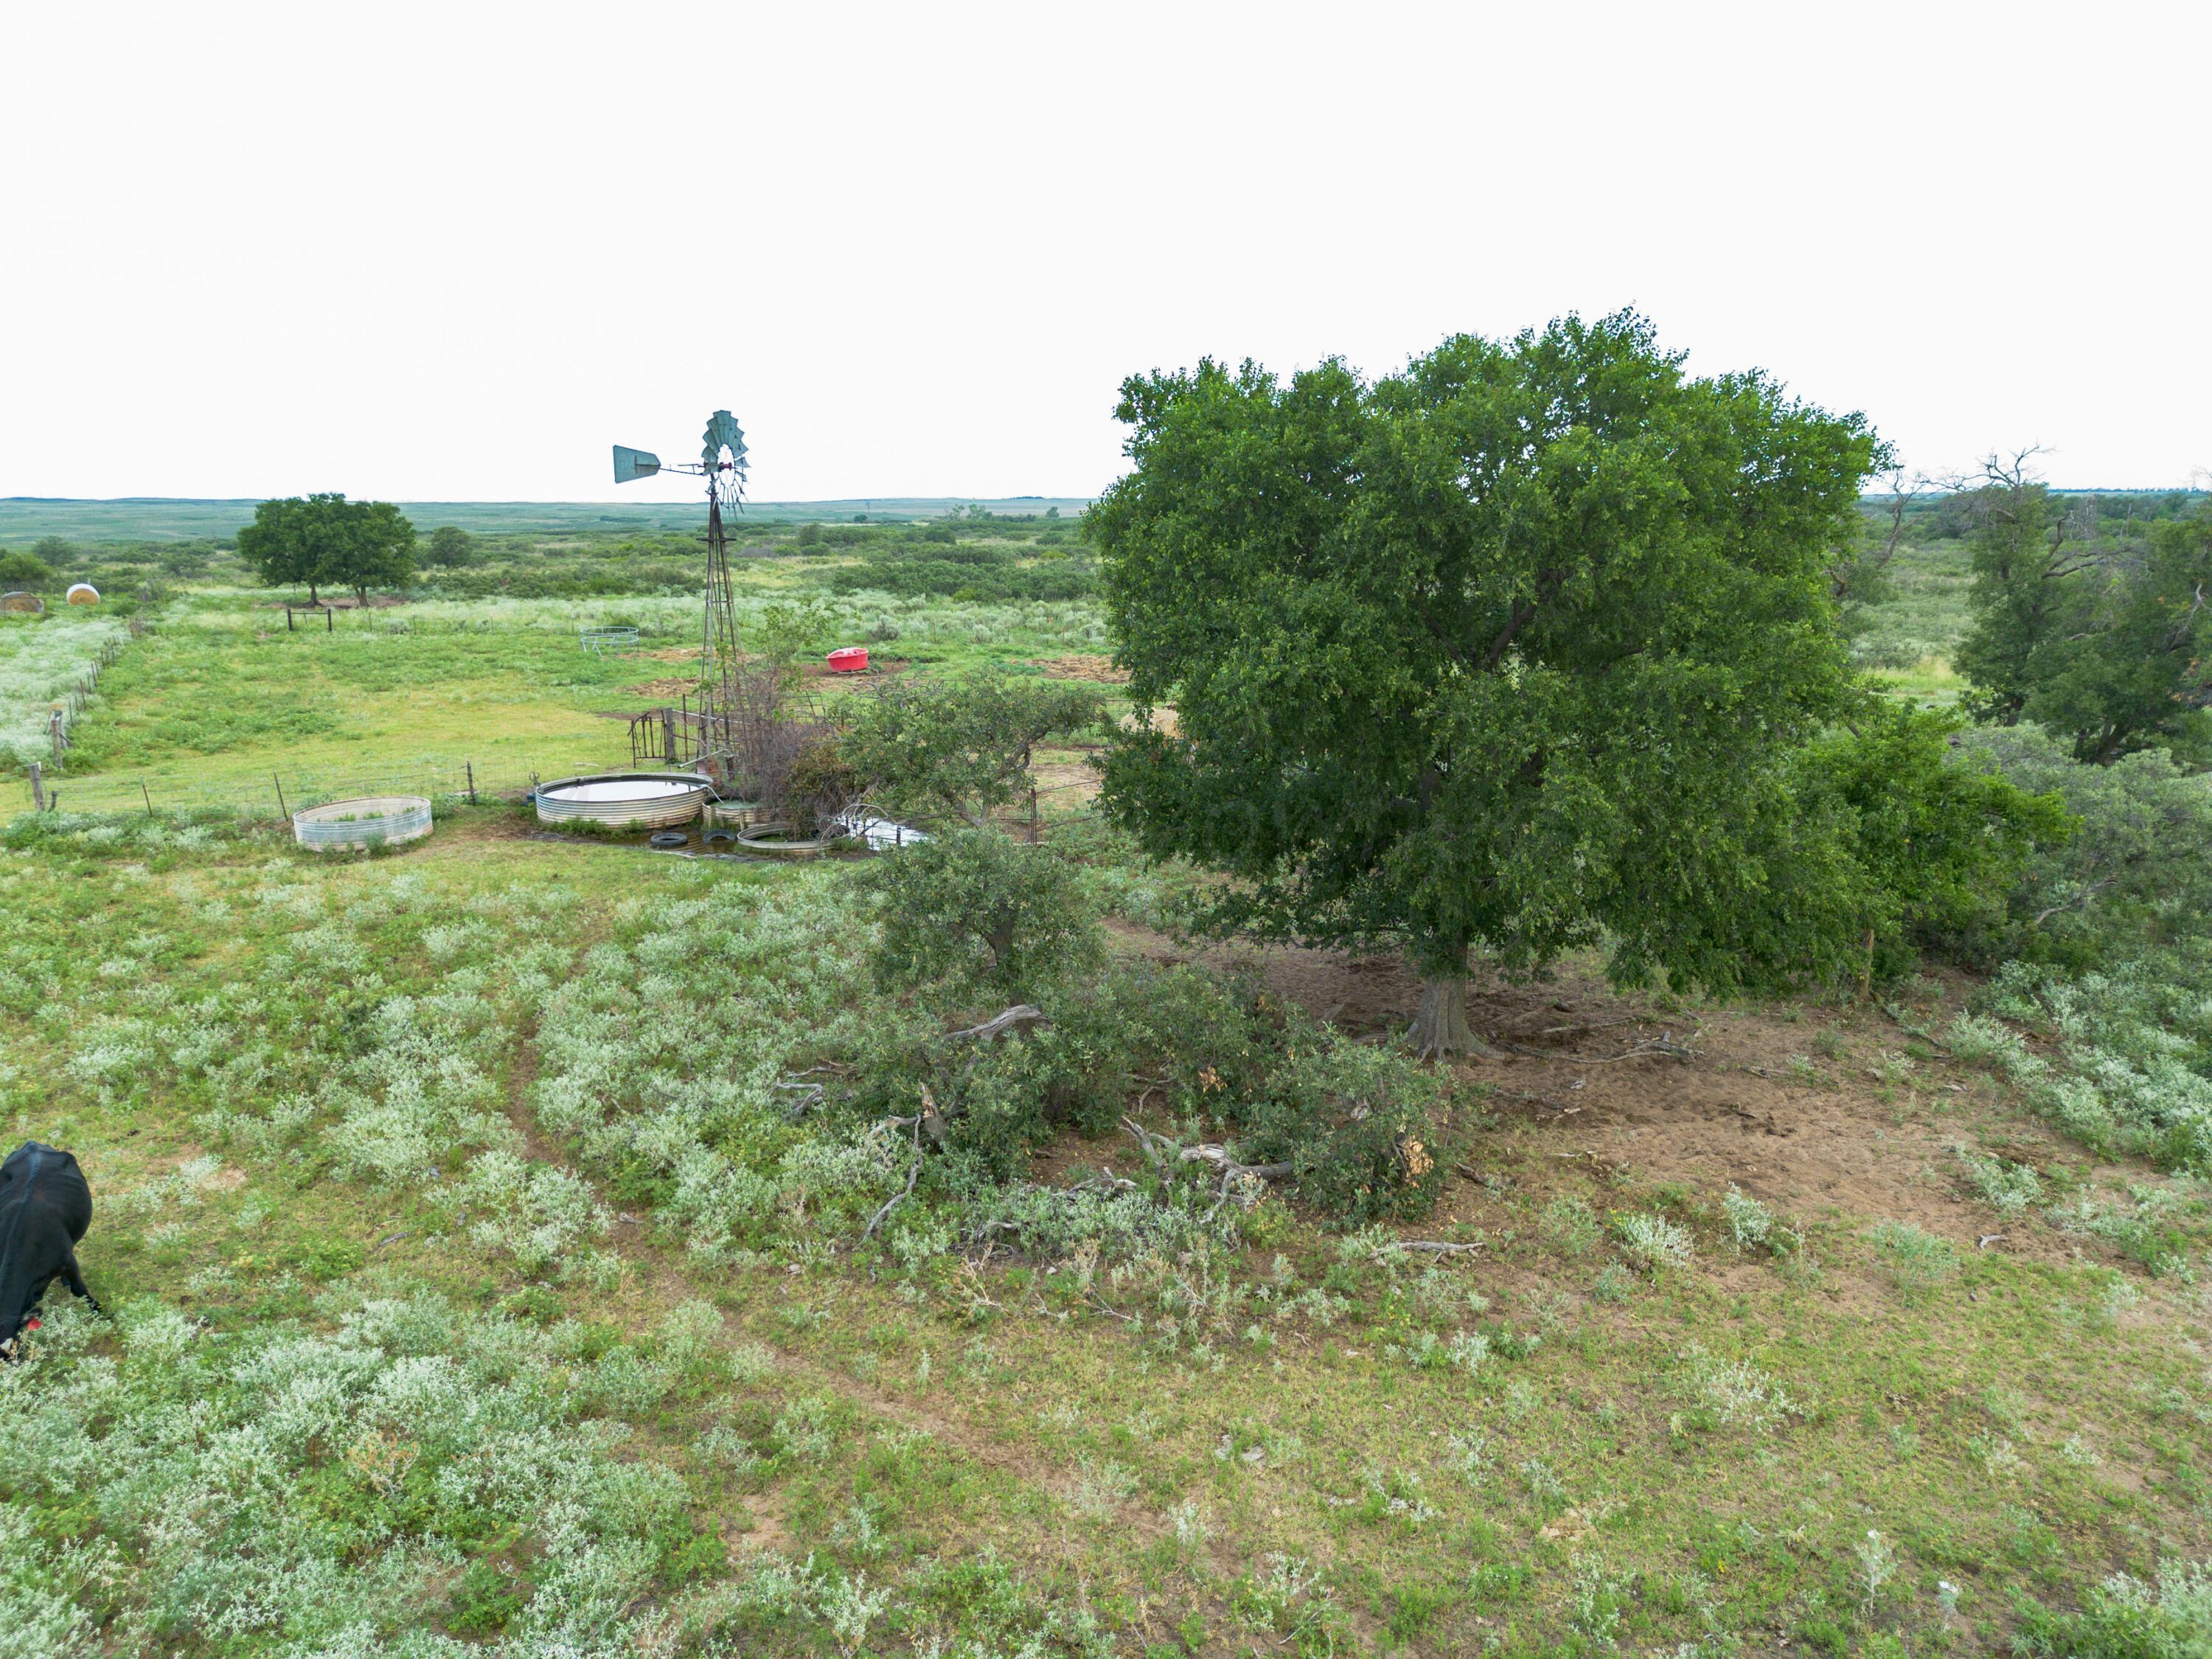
x=1780, y=1099
x=1094, y=670
x=661, y=691
x=1065, y=783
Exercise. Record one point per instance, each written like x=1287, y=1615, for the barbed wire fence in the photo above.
x=283, y=792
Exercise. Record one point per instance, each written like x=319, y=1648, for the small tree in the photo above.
x=1511, y=649
x=2109, y=645
x=1930, y=844
x=56, y=550
x=962, y=747
x=977, y=910
x=314, y=539
x=451, y=548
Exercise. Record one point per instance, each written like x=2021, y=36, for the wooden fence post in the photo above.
x=471, y=765
x=37, y=789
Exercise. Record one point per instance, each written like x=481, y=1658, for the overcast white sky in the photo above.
x=454, y=251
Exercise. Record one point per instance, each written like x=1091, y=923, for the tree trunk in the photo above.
x=314, y=598
x=1440, y=1027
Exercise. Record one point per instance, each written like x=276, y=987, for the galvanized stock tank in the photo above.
x=372, y=821
x=625, y=800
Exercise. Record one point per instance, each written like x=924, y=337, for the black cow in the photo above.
x=45, y=1207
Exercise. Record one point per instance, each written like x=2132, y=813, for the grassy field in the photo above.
x=477, y=1290
x=349, y=1124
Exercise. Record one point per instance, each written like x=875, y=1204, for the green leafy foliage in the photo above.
x=2108, y=642
x=977, y=910
x=2136, y=874
x=1931, y=847
x=450, y=548
x=938, y=563
x=960, y=747
x=26, y=572
x=1510, y=649
x=326, y=539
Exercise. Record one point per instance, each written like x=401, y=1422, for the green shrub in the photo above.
x=2125, y=1618
x=976, y=911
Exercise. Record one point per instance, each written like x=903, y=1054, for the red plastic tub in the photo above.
x=849, y=659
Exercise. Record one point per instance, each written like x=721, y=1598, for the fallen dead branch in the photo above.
x=1021, y=1017
x=1657, y=1046
x=1437, y=1246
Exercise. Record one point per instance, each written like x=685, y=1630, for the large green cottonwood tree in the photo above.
x=1505, y=652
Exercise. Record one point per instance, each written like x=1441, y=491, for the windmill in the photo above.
x=713, y=740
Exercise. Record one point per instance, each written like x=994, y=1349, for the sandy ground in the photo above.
x=1740, y=1110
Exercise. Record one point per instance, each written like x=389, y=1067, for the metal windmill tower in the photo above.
x=711, y=740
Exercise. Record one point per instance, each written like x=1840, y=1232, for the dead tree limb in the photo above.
x=1436, y=1246
x=1022, y=1016
x=1659, y=1046
x=912, y=1174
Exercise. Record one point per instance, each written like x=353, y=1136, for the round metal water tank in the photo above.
x=625, y=800
x=371, y=820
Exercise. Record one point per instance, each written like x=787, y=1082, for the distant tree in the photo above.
x=1052, y=512
x=380, y=553
x=317, y=540
x=451, y=548
x=1512, y=649
x=1859, y=569
x=25, y=571
x=2025, y=597
x=56, y=550
x=961, y=748
x=2108, y=642
x=810, y=535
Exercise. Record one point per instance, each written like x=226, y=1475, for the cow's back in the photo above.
x=37, y=1181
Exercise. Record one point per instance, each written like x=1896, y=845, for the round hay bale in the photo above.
x=83, y=593
x=27, y=605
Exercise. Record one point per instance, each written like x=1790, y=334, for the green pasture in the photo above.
x=319, y=1101
x=479, y=1288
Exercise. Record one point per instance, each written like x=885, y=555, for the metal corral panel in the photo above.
x=372, y=821
x=628, y=800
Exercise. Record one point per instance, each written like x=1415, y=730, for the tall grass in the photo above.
x=41, y=658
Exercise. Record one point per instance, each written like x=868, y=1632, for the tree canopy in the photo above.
x=1510, y=650
x=451, y=548
x=961, y=748
x=2110, y=644
x=315, y=540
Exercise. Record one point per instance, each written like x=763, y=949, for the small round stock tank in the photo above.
x=371, y=820
x=625, y=800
